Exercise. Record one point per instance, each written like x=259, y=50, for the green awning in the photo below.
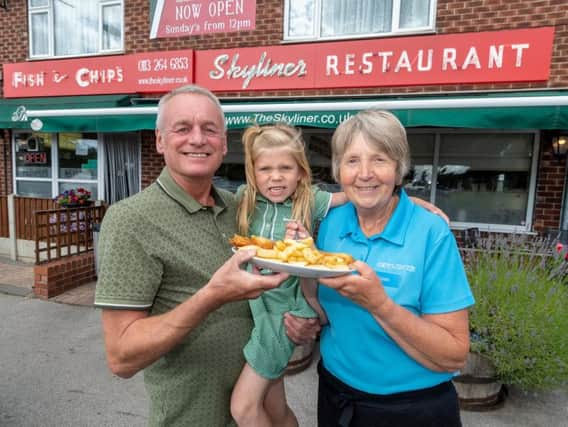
x=12, y=108
x=475, y=118
x=516, y=110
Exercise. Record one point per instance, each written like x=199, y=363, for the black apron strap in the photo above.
x=346, y=404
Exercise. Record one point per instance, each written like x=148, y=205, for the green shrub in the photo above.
x=520, y=318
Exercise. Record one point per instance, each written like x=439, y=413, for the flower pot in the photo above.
x=76, y=205
x=477, y=386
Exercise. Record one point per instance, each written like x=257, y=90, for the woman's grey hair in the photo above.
x=191, y=89
x=382, y=130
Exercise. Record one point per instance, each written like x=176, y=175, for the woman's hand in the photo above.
x=365, y=288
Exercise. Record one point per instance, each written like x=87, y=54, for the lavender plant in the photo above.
x=520, y=318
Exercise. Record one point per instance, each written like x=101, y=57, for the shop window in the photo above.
x=480, y=178
x=418, y=182
x=485, y=178
x=47, y=164
x=78, y=161
x=74, y=27
x=231, y=174
x=33, y=164
x=335, y=19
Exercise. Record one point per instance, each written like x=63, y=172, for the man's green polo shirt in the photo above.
x=157, y=248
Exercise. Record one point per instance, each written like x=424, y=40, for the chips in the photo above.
x=298, y=252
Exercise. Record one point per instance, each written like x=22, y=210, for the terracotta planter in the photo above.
x=477, y=386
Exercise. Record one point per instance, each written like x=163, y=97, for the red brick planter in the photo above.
x=55, y=277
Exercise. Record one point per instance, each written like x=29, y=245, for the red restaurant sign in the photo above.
x=486, y=57
x=139, y=73
x=177, y=18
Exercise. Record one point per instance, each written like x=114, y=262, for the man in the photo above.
x=173, y=305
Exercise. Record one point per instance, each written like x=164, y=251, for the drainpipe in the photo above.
x=5, y=155
x=12, y=228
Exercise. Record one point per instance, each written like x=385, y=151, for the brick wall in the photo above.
x=56, y=277
x=550, y=187
x=152, y=162
x=14, y=34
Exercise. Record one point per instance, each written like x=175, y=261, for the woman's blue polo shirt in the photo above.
x=418, y=262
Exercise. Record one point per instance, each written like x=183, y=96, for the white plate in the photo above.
x=298, y=270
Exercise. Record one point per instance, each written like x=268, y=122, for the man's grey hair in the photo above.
x=191, y=89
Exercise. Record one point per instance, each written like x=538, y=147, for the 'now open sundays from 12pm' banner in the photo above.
x=178, y=18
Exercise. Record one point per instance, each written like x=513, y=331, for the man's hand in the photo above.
x=232, y=283
x=432, y=208
x=301, y=330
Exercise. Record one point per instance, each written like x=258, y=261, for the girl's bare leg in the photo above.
x=276, y=406
x=247, y=400
x=258, y=402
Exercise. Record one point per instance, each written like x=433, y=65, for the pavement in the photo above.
x=521, y=409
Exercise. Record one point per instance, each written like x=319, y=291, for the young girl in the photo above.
x=278, y=188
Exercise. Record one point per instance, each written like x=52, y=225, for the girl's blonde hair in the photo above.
x=259, y=139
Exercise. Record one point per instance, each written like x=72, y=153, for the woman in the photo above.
x=398, y=329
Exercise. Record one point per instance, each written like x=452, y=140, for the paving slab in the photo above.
x=16, y=278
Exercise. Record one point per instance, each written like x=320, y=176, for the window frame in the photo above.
x=102, y=5
x=48, y=9
x=395, y=23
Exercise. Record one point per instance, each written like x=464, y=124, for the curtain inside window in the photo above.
x=121, y=166
x=112, y=23
x=358, y=17
x=414, y=13
x=40, y=31
x=301, y=21
x=76, y=26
